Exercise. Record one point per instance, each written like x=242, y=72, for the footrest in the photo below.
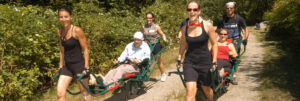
x=127, y=76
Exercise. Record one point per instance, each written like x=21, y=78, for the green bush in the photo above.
x=284, y=24
x=29, y=46
x=28, y=49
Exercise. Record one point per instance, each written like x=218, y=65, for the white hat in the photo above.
x=230, y=3
x=138, y=35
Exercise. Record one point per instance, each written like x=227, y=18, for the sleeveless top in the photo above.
x=197, y=52
x=72, y=49
x=150, y=32
x=223, y=52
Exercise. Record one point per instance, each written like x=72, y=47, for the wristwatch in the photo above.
x=178, y=62
x=214, y=63
x=87, y=68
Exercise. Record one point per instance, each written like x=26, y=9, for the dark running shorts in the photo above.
x=73, y=69
x=225, y=64
x=198, y=73
x=157, y=48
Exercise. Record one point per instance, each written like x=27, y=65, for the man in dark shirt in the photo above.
x=234, y=23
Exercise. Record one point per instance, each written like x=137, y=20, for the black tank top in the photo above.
x=197, y=52
x=72, y=49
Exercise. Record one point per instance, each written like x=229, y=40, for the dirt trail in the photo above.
x=173, y=89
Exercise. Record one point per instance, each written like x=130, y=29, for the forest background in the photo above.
x=29, y=49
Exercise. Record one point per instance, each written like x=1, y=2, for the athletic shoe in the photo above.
x=163, y=77
x=234, y=81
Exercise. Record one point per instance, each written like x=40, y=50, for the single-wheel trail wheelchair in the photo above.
x=219, y=83
x=133, y=80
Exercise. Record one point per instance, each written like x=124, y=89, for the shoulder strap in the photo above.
x=186, y=28
x=223, y=19
x=72, y=31
x=62, y=37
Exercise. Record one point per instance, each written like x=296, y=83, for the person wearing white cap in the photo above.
x=135, y=52
x=234, y=23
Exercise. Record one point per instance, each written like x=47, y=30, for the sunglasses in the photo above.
x=229, y=8
x=195, y=10
x=223, y=34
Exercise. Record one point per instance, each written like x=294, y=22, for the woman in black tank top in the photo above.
x=198, y=60
x=72, y=43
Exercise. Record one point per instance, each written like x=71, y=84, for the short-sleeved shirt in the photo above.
x=237, y=18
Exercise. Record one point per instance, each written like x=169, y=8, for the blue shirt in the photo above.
x=140, y=53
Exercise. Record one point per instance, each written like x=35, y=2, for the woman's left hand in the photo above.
x=165, y=39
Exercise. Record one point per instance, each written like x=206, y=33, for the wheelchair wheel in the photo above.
x=135, y=88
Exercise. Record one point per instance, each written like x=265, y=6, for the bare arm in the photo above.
x=233, y=51
x=61, y=53
x=213, y=40
x=82, y=40
x=142, y=29
x=246, y=33
x=182, y=45
x=161, y=33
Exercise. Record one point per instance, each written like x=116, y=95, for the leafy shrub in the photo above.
x=284, y=24
x=29, y=49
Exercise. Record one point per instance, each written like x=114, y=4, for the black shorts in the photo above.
x=73, y=69
x=198, y=73
x=157, y=48
x=223, y=63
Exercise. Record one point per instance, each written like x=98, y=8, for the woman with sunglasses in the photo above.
x=151, y=31
x=198, y=60
x=72, y=43
x=225, y=50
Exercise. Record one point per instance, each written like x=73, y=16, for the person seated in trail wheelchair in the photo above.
x=134, y=53
x=225, y=49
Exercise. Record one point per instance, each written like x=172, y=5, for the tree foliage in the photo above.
x=29, y=43
x=284, y=24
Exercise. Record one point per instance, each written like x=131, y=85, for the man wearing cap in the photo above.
x=234, y=23
x=135, y=52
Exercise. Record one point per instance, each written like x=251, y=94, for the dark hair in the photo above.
x=151, y=15
x=219, y=30
x=197, y=2
x=65, y=9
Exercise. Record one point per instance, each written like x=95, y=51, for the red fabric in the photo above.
x=127, y=76
x=223, y=52
x=114, y=87
x=195, y=24
x=229, y=40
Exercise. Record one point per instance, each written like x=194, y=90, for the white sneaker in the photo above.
x=163, y=77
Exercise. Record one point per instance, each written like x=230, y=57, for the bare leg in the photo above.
x=208, y=92
x=62, y=85
x=160, y=65
x=191, y=90
x=85, y=93
x=222, y=72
